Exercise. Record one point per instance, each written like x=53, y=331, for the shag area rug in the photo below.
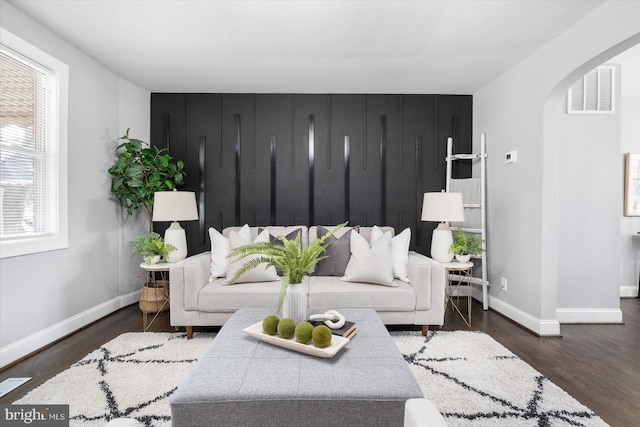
x=471, y=378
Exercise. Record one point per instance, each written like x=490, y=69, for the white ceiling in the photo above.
x=433, y=46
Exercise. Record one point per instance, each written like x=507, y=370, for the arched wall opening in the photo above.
x=581, y=179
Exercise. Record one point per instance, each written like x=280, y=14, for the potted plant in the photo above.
x=151, y=246
x=294, y=262
x=464, y=246
x=139, y=172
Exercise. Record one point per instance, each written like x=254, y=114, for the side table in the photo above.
x=160, y=288
x=459, y=274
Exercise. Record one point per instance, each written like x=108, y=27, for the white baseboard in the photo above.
x=628, y=291
x=542, y=327
x=40, y=339
x=589, y=315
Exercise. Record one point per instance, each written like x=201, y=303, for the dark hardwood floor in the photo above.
x=599, y=365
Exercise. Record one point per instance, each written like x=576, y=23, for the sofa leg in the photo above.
x=189, y=332
x=425, y=329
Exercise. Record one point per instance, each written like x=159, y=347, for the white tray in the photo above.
x=337, y=342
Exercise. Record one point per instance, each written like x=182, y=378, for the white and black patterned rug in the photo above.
x=472, y=379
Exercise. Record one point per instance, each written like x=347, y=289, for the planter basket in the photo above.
x=152, y=298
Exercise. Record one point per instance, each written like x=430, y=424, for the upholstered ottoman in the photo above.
x=240, y=381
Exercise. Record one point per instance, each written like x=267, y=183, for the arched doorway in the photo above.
x=582, y=178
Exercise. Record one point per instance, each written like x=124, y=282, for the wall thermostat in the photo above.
x=511, y=157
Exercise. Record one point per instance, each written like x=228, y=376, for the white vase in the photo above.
x=294, y=305
x=153, y=260
x=463, y=258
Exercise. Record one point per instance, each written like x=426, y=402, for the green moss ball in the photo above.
x=321, y=336
x=286, y=328
x=270, y=324
x=303, y=332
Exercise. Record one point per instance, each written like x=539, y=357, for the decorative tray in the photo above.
x=337, y=342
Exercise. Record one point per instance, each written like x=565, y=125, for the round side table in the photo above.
x=159, y=289
x=458, y=275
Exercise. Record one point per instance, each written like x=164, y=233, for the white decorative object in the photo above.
x=331, y=318
x=154, y=260
x=463, y=258
x=442, y=207
x=337, y=342
x=294, y=305
x=175, y=206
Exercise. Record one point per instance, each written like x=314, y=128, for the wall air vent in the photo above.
x=593, y=93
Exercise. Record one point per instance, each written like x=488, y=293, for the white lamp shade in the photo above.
x=442, y=207
x=174, y=206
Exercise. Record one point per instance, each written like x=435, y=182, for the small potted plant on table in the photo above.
x=152, y=247
x=464, y=246
x=154, y=296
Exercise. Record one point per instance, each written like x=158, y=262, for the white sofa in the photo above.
x=198, y=299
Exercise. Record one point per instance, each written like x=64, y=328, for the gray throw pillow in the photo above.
x=275, y=240
x=338, y=251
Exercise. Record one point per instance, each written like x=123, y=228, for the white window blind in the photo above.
x=594, y=92
x=32, y=175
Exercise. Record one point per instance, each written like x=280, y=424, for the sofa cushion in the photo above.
x=338, y=251
x=399, y=251
x=261, y=273
x=327, y=293
x=217, y=297
x=274, y=230
x=370, y=262
x=220, y=250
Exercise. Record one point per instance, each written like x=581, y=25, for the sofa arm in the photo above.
x=428, y=278
x=187, y=278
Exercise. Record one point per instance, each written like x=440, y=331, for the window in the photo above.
x=33, y=165
x=593, y=93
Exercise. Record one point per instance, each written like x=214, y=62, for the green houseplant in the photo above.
x=150, y=246
x=464, y=246
x=294, y=261
x=139, y=172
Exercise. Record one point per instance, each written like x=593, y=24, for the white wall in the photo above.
x=518, y=111
x=589, y=209
x=629, y=226
x=47, y=295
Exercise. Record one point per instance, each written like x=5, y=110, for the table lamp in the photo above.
x=442, y=207
x=175, y=206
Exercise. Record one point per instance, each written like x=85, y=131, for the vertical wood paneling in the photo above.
x=333, y=187
x=274, y=176
x=312, y=150
x=314, y=159
x=383, y=167
x=347, y=177
x=201, y=194
x=311, y=121
x=237, y=144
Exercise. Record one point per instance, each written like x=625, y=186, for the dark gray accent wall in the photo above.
x=311, y=158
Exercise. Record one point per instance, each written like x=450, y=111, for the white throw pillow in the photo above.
x=370, y=263
x=220, y=250
x=399, y=251
x=257, y=274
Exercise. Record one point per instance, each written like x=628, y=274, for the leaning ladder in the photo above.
x=468, y=187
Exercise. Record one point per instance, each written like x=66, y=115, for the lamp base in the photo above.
x=441, y=240
x=176, y=236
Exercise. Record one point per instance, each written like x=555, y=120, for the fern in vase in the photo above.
x=294, y=261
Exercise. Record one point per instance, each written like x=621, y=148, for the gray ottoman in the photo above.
x=240, y=381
